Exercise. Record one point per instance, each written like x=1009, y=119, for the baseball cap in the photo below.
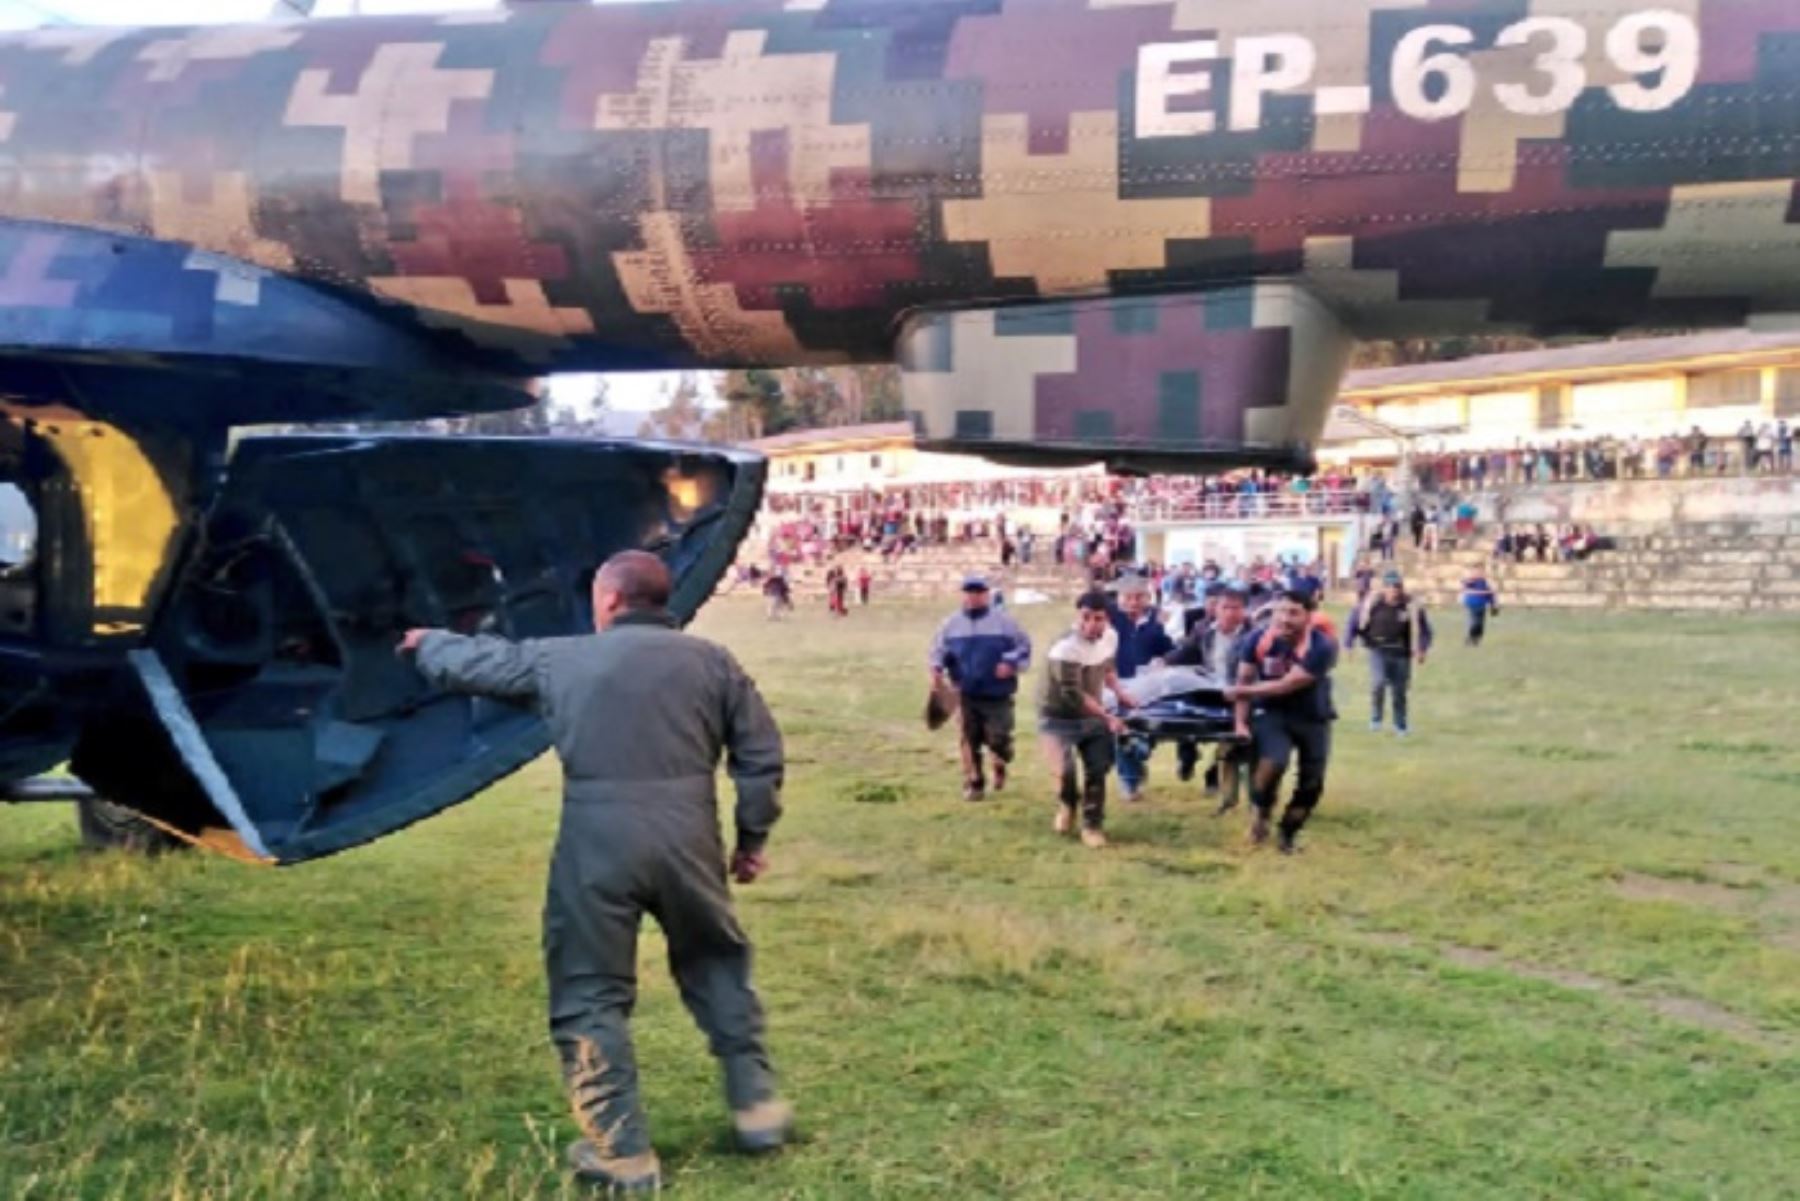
x=1390, y=576
x=974, y=583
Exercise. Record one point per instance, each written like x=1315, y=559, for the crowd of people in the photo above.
x=1095, y=516
x=1098, y=534
x=1275, y=676
x=1765, y=448
x=1265, y=645
x=1565, y=542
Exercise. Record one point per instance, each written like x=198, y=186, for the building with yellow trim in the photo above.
x=854, y=457
x=1647, y=387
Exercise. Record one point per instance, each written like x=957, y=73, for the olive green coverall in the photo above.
x=640, y=714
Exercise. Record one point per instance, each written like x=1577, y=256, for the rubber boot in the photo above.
x=764, y=1127
x=622, y=1174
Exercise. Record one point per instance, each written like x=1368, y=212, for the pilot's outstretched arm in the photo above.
x=482, y=665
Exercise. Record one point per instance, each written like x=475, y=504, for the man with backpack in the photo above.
x=1398, y=634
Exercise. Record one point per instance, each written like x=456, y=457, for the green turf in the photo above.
x=1550, y=948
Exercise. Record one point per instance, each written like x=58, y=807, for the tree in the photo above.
x=585, y=418
x=1407, y=352
x=757, y=402
x=682, y=415
x=760, y=403
x=883, y=399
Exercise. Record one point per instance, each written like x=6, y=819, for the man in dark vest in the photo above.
x=640, y=715
x=1398, y=634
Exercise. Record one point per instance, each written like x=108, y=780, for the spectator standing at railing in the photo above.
x=1668, y=450
x=1747, y=443
x=1784, y=445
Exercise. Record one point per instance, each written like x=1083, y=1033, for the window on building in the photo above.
x=811, y=471
x=1724, y=389
x=875, y=462
x=1550, y=407
x=1787, y=392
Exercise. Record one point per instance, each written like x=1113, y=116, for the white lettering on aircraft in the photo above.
x=1431, y=76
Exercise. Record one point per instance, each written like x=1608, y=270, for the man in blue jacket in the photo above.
x=1143, y=643
x=983, y=652
x=1480, y=599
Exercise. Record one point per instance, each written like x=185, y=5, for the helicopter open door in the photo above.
x=268, y=714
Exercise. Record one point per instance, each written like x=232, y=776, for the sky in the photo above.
x=625, y=391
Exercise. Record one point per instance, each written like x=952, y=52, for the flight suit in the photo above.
x=640, y=714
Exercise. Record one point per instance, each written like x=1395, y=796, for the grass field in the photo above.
x=1549, y=948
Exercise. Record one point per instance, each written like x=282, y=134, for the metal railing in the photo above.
x=1258, y=506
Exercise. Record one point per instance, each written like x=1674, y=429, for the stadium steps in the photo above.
x=1711, y=566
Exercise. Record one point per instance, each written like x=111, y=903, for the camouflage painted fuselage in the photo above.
x=779, y=181
x=1143, y=231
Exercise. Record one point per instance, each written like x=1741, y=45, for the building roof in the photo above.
x=837, y=436
x=1586, y=359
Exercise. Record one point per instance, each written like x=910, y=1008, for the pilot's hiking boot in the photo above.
x=1064, y=821
x=1285, y=842
x=626, y=1174
x=1092, y=839
x=764, y=1127
x=1259, y=830
x=974, y=792
x=999, y=775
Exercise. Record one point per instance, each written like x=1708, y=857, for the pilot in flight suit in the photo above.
x=640, y=714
